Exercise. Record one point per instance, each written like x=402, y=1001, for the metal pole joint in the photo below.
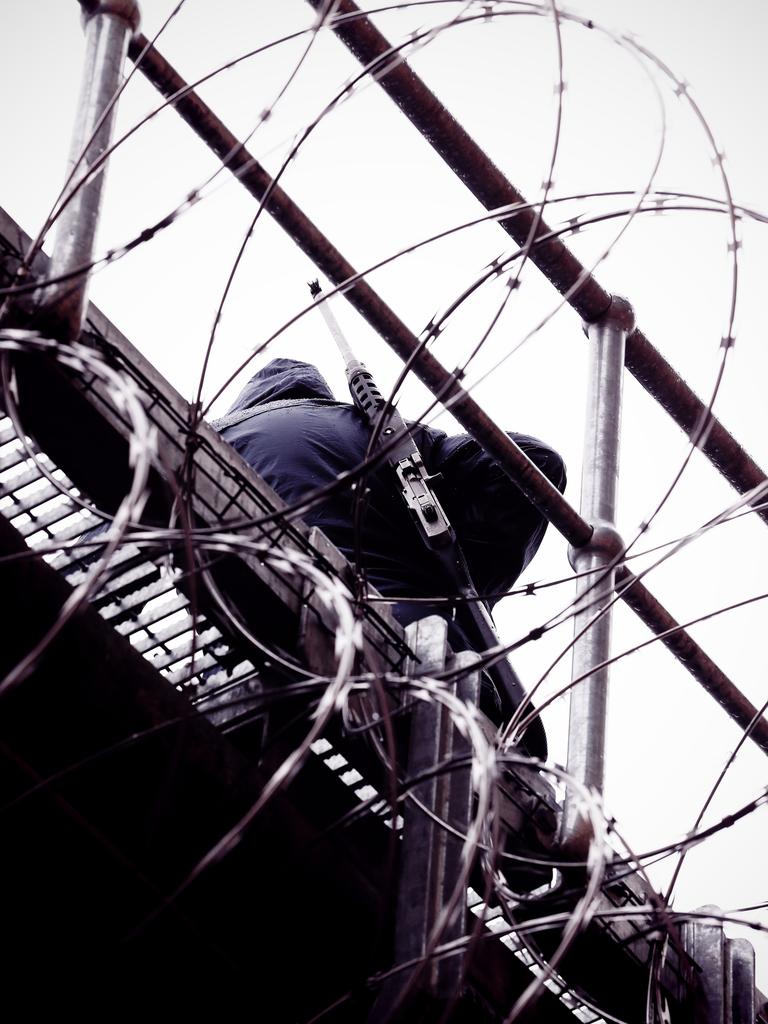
x=619, y=315
x=606, y=542
x=126, y=10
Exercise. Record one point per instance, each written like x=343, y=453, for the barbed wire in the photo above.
x=330, y=696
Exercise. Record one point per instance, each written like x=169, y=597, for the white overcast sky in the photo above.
x=372, y=184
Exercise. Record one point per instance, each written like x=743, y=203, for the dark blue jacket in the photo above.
x=305, y=445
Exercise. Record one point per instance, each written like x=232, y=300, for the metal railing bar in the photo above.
x=680, y=643
x=553, y=258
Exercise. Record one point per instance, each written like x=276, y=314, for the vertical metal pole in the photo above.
x=109, y=25
x=586, y=730
x=431, y=865
x=705, y=943
x=740, y=981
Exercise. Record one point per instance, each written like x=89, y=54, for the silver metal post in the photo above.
x=704, y=942
x=740, y=981
x=586, y=730
x=109, y=25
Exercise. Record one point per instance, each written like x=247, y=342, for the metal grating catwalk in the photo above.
x=139, y=597
x=144, y=599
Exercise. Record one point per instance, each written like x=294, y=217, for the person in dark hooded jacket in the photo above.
x=287, y=425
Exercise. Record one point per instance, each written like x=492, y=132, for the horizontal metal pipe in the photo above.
x=552, y=257
x=465, y=158
x=327, y=258
x=669, y=389
x=687, y=651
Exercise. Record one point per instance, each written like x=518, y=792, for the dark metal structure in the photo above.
x=161, y=740
x=154, y=724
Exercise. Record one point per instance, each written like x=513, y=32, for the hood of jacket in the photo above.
x=280, y=380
